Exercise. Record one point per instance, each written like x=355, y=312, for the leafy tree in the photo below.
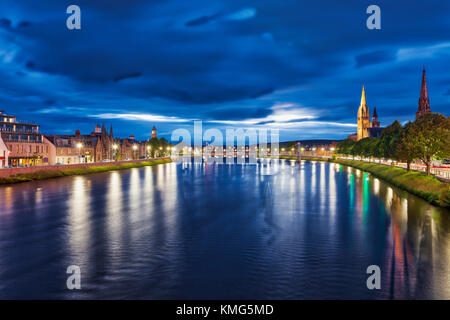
x=405, y=149
x=388, y=138
x=164, y=144
x=345, y=146
x=154, y=146
x=357, y=148
x=368, y=146
x=430, y=135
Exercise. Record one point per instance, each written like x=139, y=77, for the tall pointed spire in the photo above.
x=424, y=101
x=111, y=136
x=375, y=122
x=363, y=117
x=363, y=97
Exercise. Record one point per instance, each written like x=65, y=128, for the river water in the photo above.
x=275, y=230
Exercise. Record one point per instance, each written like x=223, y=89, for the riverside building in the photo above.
x=25, y=144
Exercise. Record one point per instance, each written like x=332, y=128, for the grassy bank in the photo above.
x=41, y=175
x=417, y=183
x=426, y=187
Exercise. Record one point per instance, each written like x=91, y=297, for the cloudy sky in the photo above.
x=298, y=66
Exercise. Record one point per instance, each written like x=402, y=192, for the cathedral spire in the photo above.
x=363, y=97
x=424, y=101
x=363, y=117
x=375, y=122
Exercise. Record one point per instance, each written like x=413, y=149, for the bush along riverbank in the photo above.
x=425, y=186
x=48, y=174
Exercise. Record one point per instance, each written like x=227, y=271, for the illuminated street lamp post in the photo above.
x=148, y=151
x=134, y=152
x=79, y=146
x=115, y=146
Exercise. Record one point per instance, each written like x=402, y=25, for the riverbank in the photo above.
x=417, y=183
x=427, y=187
x=59, y=171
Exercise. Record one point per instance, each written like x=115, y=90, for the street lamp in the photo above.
x=134, y=152
x=79, y=146
x=115, y=146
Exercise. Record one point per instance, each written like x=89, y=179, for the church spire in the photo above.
x=363, y=117
x=363, y=97
x=375, y=122
x=424, y=101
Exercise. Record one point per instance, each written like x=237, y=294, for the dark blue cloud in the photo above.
x=128, y=76
x=203, y=20
x=375, y=57
x=217, y=60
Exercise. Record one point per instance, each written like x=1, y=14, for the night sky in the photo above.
x=294, y=65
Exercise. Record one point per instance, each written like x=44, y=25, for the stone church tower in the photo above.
x=375, y=122
x=363, y=118
x=424, y=102
x=154, y=132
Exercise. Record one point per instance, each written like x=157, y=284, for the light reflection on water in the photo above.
x=277, y=229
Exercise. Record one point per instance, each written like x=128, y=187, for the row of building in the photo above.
x=22, y=144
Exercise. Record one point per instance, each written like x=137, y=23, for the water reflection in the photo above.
x=277, y=229
x=79, y=221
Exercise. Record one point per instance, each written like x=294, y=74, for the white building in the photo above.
x=4, y=152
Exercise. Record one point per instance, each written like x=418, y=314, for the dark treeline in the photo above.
x=425, y=139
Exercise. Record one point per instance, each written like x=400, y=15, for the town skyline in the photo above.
x=240, y=66
x=190, y=122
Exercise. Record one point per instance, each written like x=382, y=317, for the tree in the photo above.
x=357, y=148
x=404, y=147
x=154, y=146
x=387, y=140
x=430, y=135
x=368, y=147
x=345, y=146
x=163, y=143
